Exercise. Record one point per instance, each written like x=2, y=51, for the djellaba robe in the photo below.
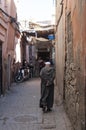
x=47, y=75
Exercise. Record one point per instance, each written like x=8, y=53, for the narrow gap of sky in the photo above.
x=37, y=10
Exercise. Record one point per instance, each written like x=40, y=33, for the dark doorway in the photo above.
x=9, y=71
x=44, y=55
x=0, y=67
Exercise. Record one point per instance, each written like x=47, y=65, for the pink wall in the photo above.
x=7, y=38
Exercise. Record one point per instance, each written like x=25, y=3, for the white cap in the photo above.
x=47, y=63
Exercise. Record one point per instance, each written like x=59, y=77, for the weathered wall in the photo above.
x=75, y=53
x=75, y=62
x=7, y=38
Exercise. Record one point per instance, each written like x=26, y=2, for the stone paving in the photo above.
x=19, y=110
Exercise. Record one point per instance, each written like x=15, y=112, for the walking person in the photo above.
x=47, y=75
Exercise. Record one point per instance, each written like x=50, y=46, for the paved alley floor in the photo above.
x=19, y=110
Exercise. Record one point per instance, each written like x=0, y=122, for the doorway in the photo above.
x=44, y=55
x=9, y=71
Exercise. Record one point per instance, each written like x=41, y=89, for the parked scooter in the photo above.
x=22, y=74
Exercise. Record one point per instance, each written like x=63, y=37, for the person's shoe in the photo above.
x=48, y=109
x=44, y=109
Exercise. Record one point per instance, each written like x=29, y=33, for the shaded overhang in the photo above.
x=40, y=33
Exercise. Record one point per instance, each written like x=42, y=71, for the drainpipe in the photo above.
x=13, y=20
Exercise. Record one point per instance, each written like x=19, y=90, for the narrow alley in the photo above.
x=19, y=110
x=33, y=32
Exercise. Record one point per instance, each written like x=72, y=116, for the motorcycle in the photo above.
x=22, y=74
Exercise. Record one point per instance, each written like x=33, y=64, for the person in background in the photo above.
x=47, y=75
x=36, y=68
x=41, y=63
